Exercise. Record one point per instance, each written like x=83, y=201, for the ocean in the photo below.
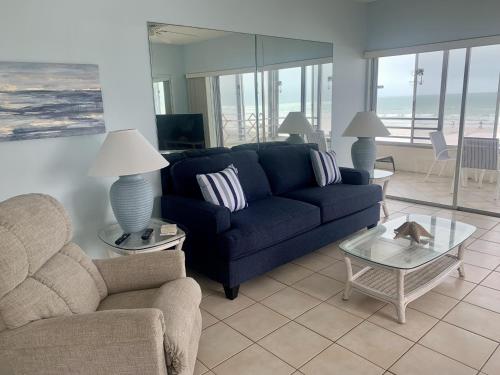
x=480, y=106
x=27, y=114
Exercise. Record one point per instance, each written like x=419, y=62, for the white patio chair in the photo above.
x=441, y=152
x=481, y=154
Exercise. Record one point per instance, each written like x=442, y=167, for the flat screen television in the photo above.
x=180, y=131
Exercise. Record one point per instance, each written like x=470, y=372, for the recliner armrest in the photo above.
x=195, y=214
x=353, y=176
x=141, y=271
x=105, y=342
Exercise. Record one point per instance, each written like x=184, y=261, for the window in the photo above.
x=305, y=88
x=420, y=93
x=237, y=108
x=162, y=96
x=481, y=113
x=408, y=95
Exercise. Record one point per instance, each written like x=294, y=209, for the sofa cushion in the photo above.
x=223, y=188
x=175, y=157
x=266, y=222
x=288, y=167
x=259, y=146
x=325, y=167
x=250, y=173
x=339, y=200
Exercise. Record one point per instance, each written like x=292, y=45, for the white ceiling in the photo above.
x=180, y=35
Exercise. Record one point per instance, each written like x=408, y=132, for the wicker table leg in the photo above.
x=348, y=282
x=400, y=305
x=384, y=203
x=461, y=250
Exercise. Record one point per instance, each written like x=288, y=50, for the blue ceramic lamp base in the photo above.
x=295, y=139
x=132, y=202
x=364, y=153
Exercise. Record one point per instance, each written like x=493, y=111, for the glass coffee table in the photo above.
x=400, y=270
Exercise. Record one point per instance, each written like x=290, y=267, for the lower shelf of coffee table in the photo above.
x=383, y=281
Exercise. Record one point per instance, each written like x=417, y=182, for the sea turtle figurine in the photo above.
x=412, y=229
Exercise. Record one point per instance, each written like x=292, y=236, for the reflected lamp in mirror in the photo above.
x=127, y=154
x=296, y=124
x=365, y=126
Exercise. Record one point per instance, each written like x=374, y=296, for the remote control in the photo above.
x=123, y=237
x=147, y=234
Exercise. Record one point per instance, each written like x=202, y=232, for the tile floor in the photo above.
x=293, y=320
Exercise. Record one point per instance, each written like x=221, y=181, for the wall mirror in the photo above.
x=219, y=88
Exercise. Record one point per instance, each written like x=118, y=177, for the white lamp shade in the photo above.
x=366, y=124
x=124, y=153
x=295, y=123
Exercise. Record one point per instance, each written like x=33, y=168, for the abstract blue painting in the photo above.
x=40, y=100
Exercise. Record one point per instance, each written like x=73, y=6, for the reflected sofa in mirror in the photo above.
x=218, y=88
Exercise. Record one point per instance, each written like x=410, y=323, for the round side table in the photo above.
x=134, y=244
x=383, y=177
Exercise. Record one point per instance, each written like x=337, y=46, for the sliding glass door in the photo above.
x=479, y=186
x=442, y=110
x=409, y=100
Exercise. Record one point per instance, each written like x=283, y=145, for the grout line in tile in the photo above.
x=465, y=329
x=362, y=320
x=491, y=355
x=246, y=347
x=350, y=312
x=454, y=359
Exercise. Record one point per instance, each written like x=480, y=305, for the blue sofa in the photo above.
x=287, y=216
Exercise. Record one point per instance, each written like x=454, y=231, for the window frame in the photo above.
x=442, y=96
x=269, y=98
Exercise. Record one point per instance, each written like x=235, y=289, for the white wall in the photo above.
x=113, y=34
x=231, y=51
x=402, y=23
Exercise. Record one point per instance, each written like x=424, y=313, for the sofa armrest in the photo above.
x=353, y=176
x=195, y=214
x=141, y=271
x=105, y=342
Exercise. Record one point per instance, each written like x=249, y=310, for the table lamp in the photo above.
x=295, y=124
x=365, y=126
x=127, y=154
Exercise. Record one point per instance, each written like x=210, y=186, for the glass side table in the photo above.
x=135, y=245
x=382, y=177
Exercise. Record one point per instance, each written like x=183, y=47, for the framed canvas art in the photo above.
x=42, y=100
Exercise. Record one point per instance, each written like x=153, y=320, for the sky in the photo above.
x=41, y=76
x=395, y=73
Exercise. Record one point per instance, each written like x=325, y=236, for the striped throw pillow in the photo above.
x=223, y=188
x=325, y=168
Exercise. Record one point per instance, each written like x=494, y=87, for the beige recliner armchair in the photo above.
x=62, y=313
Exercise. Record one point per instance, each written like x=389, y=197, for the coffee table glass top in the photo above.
x=378, y=245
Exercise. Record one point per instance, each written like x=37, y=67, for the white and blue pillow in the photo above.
x=223, y=188
x=325, y=168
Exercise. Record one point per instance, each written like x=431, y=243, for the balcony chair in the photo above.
x=441, y=152
x=481, y=154
x=62, y=313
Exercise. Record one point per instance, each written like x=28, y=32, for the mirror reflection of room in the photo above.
x=217, y=88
